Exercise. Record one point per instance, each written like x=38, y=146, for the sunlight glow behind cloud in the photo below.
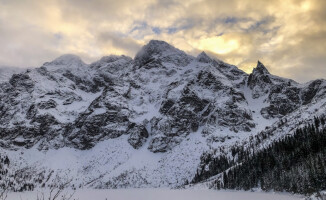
x=288, y=36
x=217, y=45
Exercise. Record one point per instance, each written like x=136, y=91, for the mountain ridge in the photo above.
x=138, y=120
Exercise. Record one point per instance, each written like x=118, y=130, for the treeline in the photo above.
x=296, y=163
x=11, y=180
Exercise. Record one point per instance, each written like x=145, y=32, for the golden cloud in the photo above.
x=286, y=35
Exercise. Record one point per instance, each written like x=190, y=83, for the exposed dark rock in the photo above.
x=148, y=55
x=22, y=81
x=208, y=80
x=159, y=144
x=43, y=71
x=81, y=83
x=310, y=92
x=166, y=106
x=31, y=112
x=72, y=99
x=259, y=80
x=47, y=104
x=204, y=58
x=137, y=135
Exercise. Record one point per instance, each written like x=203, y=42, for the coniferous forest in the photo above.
x=295, y=163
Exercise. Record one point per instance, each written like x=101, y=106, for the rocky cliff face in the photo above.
x=159, y=102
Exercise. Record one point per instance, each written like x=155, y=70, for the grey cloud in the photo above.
x=127, y=44
x=287, y=38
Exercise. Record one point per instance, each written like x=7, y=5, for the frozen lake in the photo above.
x=164, y=194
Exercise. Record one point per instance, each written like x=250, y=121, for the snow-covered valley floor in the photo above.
x=163, y=194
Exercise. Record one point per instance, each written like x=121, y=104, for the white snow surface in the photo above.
x=113, y=157
x=160, y=194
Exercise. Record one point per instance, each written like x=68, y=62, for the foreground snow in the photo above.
x=163, y=194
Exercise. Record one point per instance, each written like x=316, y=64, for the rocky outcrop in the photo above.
x=283, y=99
x=313, y=89
x=22, y=82
x=137, y=135
x=155, y=52
x=47, y=104
x=203, y=57
x=259, y=81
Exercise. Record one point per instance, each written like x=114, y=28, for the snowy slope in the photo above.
x=6, y=72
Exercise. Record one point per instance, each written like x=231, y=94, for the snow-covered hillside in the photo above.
x=6, y=72
x=143, y=122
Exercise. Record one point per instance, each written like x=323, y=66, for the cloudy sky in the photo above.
x=288, y=36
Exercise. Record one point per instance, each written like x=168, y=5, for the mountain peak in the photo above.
x=203, y=57
x=156, y=48
x=67, y=59
x=158, y=43
x=114, y=58
x=260, y=68
x=65, y=62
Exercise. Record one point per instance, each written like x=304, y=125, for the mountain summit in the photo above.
x=156, y=51
x=261, y=69
x=203, y=57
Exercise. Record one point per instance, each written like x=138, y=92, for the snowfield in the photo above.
x=163, y=194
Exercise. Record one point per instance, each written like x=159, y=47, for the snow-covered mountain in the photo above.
x=6, y=72
x=142, y=122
